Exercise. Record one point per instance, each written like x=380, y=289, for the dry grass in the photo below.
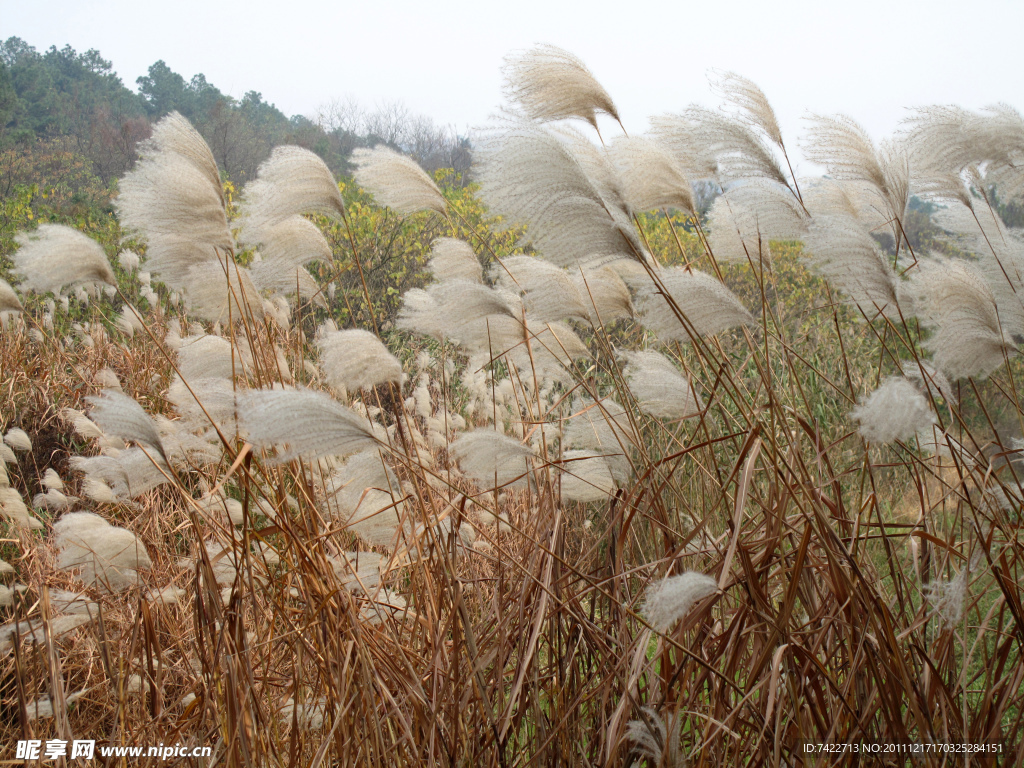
x=509, y=626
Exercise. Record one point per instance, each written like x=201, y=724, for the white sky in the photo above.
x=868, y=58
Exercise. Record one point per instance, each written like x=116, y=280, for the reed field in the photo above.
x=550, y=466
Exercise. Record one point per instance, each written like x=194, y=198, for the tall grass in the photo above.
x=658, y=489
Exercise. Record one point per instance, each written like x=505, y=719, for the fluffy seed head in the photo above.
x=303, y=423
x=707, y=306
x=529, y=175
x=397, y=181
x=9, y=301
x=18, y=439
x=956, y=302
x=55, y=257
x=751, y=102
x=671, y=599
x=120, y=415
x=356, y=359
x=453, y=259
x=491, y=459
x=586, y=476
x=290, y=182
x=107, y=556
x=651, y=177
x=549, y=83
x=894, y=411
x=173, y=198
x=658, y=386
x=842, y=251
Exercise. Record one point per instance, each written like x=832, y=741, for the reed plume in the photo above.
x=303, y=423
x=706, y=304
x=453, y=259
x=549, y=83
x=491, y=459
x=356, y=359
x=173, y=198
x=894, y=411
x=107, y=556
x=672, y=598
x=55, y=257
x=658, y=387
x=529, y=176
x=957, y=303
x=9, y=301
x=397, y=181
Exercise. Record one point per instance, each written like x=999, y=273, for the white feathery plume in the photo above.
x=173, y=198
x=744, y=219
x=217, y=506
x=657, y=739
x=595, y=161
x=658, y=386
x=894, y=411
x=474, y=316
x=217, y=290
x=586, y=476
x=12, y=506
x=670, y=599
x=397, y=181
x=453, y=259
x=552, y=348
x=842, y=251
x=365, y=493
x=106, y=555
x=107, y=379
x=843, y=146
x=605, y=295
x=51, y=500
x=186, y=450
x=356, y=359
x=948, y=140
x=129, y=261
x=210, y=357
x=279, y=277
x=6, y=568
x=492, y=460
x=9, y=301
x=947, y=598
x=115, y=479
x=51, y=480
x=7, y=455
x=602, y=428
x=18, y=439
x=651, y=177
x=1000, y=252
x=549, y=83
x=294, y=240
x=358, y=572
x=290, y=182
x=931, y=378
x=120, y=415
x=740, y=154
x=303, y=423
x=529, y=175
x=707, y=305
x=208, y=399
x=549, y=292
x=55, y=257
x=751, y=102
x=682, y=137
x=955, y=301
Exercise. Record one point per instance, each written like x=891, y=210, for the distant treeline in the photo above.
x=68, y=114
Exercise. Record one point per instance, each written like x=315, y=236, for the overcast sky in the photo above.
x=870, y=58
